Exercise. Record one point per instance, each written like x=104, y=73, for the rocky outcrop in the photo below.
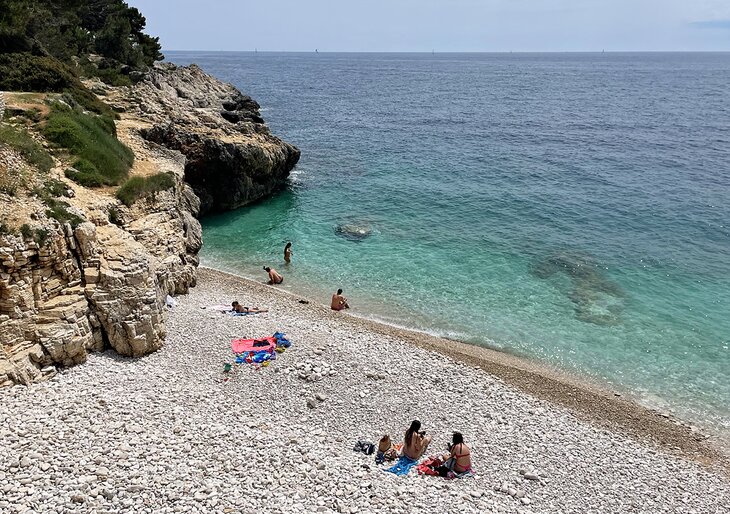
x=232, y=157
x=65, y=292
x=96, y=286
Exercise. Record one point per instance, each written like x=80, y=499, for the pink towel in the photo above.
x=247, y=345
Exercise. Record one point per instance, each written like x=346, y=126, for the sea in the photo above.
x=572, y=209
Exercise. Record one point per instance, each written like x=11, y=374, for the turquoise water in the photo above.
x=567, y=207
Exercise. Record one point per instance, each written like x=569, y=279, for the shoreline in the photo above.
x=588, y=400
x=186, y=429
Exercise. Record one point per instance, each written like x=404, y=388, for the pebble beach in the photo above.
x=171, y=432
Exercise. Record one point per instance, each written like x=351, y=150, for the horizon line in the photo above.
x=459, y=51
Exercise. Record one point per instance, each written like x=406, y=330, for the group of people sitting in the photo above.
x=415, y=444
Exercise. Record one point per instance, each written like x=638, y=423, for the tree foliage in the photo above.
x=75, y=28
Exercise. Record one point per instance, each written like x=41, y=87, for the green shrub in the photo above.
x=58, y=210
x=85, y=179
x=92, y=139
x=27, y=72
x=54, y=188
x=5, y=229
x=111, y=76
x=41, y=236
x=26, y=231
x=20, y=140
x=160, y=182
x=8, y=188
x=86, y=174
x=138, y=187
x=131, y=190
x=114, y=217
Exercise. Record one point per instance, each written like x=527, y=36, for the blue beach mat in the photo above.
x=403, y=466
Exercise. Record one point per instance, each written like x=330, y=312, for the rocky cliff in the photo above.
x=102, y=284
x=232, y=157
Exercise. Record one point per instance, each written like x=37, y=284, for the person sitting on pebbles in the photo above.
x=274, y=277
x=459, y=458
x=237, y=307
x=387, y=450
x=415, y=441
x=339, y=302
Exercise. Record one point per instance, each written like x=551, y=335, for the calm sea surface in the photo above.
x=573, y=208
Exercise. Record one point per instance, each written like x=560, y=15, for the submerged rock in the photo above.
x=596, y=299
x=353, y=231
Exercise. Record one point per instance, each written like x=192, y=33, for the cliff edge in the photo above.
x=84, y=269
x=232, y=157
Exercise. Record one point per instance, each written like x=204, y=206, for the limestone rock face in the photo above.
x=103, y=283
x=100, y=285
x=232, y=157
x=45, y=318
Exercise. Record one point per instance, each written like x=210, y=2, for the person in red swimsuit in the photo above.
x=459, y=460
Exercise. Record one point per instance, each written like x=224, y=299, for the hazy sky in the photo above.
x=442, y=25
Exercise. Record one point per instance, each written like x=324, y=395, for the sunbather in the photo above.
x=459, y=458
x=387, y=450
x=339, y=302
x=415, y=441
x=237, y=307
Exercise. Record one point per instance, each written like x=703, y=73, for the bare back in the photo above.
x=275, y=277
x=338, y=302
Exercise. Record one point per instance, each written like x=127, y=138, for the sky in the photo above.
x=439, y=25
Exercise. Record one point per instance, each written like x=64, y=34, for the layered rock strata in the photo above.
x=104, y=283
x=232, y=157
x=98, y=285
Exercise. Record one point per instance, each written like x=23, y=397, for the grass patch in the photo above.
x=40, y=236
x=86, y=174
x=52, y=188
x=20, y=140
x=26, y=72
x=139, y=187
x=58, y=210
x=93, y=140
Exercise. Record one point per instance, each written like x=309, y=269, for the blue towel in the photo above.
x=403, y=466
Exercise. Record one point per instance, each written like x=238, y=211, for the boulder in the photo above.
x=232, y=158
x=354, y=231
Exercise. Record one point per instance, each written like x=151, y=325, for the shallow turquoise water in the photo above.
x=570, y=208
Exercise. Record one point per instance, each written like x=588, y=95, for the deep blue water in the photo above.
x=573, y=208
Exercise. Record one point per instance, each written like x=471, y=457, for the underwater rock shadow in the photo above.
x=596, y=299
x=354, y=231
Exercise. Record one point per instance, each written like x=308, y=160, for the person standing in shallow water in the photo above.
x=339, y=302
x=287, y=253
x=274, y=277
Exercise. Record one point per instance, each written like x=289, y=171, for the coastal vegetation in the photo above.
x=27, y=72
x=144, y=187
x=50, y=47
x=101, y=38
x=101, y=159
x=19, y=140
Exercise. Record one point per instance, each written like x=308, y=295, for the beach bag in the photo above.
x=365, y=447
